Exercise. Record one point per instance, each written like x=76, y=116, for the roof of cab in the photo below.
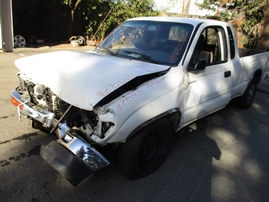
x=193, y=21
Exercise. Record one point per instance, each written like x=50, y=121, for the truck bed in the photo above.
x=247, y=52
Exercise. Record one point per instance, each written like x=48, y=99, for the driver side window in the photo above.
x=211, y=47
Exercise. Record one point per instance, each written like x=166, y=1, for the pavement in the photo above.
x=220, y=158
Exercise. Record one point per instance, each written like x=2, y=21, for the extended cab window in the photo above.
x=211, y=47
x=232, y=43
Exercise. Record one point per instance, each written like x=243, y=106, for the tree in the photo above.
x=255, y=16
x=249, y=18
x=72, y=7
x=113, y=13
x=61, y=19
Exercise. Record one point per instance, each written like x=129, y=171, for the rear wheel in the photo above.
x=145, y=152
x=245, y=101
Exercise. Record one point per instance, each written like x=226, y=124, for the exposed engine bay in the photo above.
x=86, y=123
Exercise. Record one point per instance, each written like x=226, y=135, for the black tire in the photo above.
x=245, y=101
x=146, y=151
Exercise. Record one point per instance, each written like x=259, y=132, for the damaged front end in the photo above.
x=71, y=154
x=79, y=98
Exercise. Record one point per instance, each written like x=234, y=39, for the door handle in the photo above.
x=227, y=74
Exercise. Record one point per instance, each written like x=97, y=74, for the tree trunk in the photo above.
x=71, y=21
x=73, y=5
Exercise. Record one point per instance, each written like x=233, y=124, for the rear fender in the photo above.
x=256, y=75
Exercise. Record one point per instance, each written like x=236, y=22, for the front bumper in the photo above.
x=71, y=156
x=35, y=112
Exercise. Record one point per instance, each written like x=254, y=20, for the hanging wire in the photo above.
x=103, y=21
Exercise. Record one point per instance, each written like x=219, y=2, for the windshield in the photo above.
x=151, y=41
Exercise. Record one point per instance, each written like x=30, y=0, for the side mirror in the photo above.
x=199, y=65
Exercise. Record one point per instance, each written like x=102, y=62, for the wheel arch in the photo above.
x=172, y=115
x=256, y=75
x=245, y=100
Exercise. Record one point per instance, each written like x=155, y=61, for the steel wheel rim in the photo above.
x=19, y=41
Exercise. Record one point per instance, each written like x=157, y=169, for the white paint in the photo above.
x=83, y=79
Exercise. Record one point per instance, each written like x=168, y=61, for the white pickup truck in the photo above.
x=148, y=79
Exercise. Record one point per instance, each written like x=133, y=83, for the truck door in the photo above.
x=208, y=86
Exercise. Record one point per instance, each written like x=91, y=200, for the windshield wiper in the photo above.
x=106, y=49
x=143, y=56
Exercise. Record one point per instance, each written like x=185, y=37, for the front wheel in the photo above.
x=245, y=101
x=145, y=152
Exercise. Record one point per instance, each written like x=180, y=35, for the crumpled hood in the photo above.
x=83, y=79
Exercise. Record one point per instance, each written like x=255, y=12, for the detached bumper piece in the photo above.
x=73, y=158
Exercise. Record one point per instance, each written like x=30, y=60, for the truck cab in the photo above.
x=148, y=79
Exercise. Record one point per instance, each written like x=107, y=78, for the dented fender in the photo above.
x=141, y=105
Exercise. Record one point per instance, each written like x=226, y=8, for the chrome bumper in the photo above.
x=72, y=157
x=35, y=112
